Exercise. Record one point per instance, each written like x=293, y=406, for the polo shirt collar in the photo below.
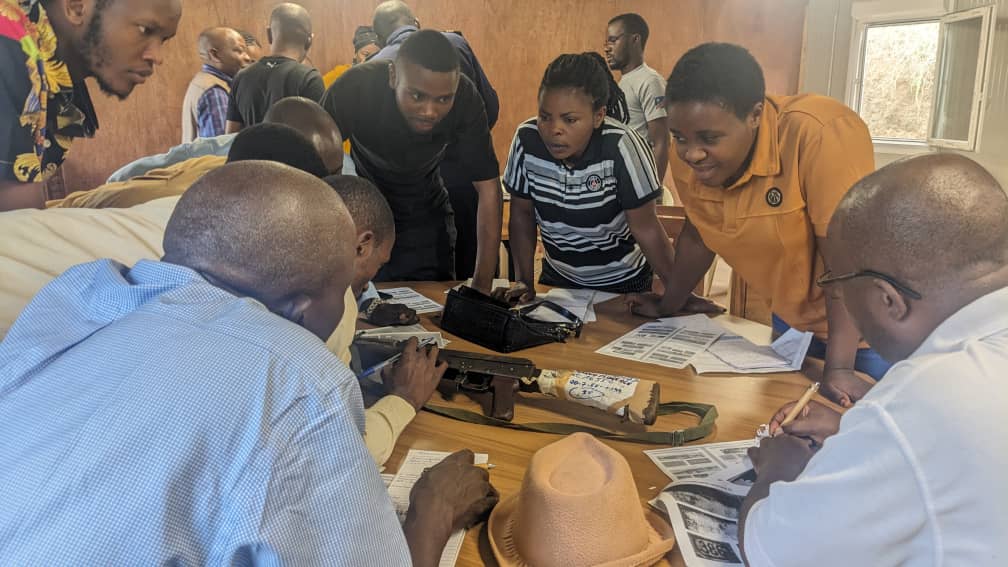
x=766, y=159
x=208, y=68
x=400, y=34
x=984, y=317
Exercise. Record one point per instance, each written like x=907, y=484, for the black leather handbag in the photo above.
x=479, y=318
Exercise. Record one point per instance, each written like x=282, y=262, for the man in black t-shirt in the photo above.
x=400, y=117
x=278, y=75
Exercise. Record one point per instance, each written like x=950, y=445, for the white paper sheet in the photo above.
x=404, y=333
x=734, y=354
x=399, y=490
x=672, y=342
x=410, y=298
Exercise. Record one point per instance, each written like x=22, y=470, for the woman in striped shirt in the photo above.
x=589, y=182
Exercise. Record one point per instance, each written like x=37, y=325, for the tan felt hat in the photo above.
x=578, y=506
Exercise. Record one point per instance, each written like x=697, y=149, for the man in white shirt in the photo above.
x=644, y=88
x=913, y=473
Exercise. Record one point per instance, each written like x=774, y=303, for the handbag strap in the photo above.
x=706, y=412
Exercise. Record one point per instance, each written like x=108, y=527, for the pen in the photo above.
x=802, y=402
x=392, y=359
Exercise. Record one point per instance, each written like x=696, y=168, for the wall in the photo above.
x=514, y=39
x=830, y=33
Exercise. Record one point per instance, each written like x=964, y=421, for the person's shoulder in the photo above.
x=810, y=110
x=617, y=136
x=372, y=71
x=528, y=131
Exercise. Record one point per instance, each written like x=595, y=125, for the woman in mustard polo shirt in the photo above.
x=767, y=173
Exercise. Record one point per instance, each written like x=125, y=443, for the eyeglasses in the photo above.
x=614, y=38
x=828, y=278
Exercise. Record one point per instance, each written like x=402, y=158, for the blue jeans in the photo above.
x=866, y=360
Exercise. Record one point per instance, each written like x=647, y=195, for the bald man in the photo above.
x=204, y=109
x=913, y=474
x=187, y=411
x=171, y=173
x=279, y=75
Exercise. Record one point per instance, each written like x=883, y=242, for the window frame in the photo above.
x=876, y=14
x=981, y=81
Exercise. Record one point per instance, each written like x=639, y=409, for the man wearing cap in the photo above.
x=365, y=45
x=913, y=474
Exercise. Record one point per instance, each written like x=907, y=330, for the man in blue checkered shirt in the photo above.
x=187, y=411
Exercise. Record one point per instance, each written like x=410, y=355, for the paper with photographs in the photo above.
x=704, y=499
x=670, y=342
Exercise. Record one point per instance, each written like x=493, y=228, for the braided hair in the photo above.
x=589, y=72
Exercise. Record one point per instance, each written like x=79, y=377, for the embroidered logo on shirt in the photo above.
x=594, y=182
x=659, y=100
x=774, y=197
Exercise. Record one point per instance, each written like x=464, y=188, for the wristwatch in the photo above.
x=370, y=309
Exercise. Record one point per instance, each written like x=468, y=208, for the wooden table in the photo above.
x=743, y=402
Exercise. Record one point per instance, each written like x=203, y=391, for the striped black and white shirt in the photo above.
x=580, y=209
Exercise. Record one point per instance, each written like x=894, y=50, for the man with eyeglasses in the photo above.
x=626, y=37
x=913, y=474
x=766, y=174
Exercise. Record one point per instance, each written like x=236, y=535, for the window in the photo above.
x=919, y=80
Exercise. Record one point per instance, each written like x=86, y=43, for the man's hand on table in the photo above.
x=415, y=376
x=780, y=458
x=518, y=292
x=385, y=313
x=843, y=387
x=454, y=494
x=815, y=422
x=653, y=306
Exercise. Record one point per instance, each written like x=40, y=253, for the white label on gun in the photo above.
x=602, y=391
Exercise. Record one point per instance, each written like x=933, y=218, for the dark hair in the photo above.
x=589, y=72
x=367, y=205
x=249, y=38
x=634, y=24
x=430, y=50
x=279, y=143
x=722, y=73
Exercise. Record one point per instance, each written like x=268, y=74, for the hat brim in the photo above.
x=501, y=536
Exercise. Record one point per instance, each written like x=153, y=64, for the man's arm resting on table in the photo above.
x=658, y=135
x=17, y=195
x=522, y=237
x=488, y=232
x=692, y=260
